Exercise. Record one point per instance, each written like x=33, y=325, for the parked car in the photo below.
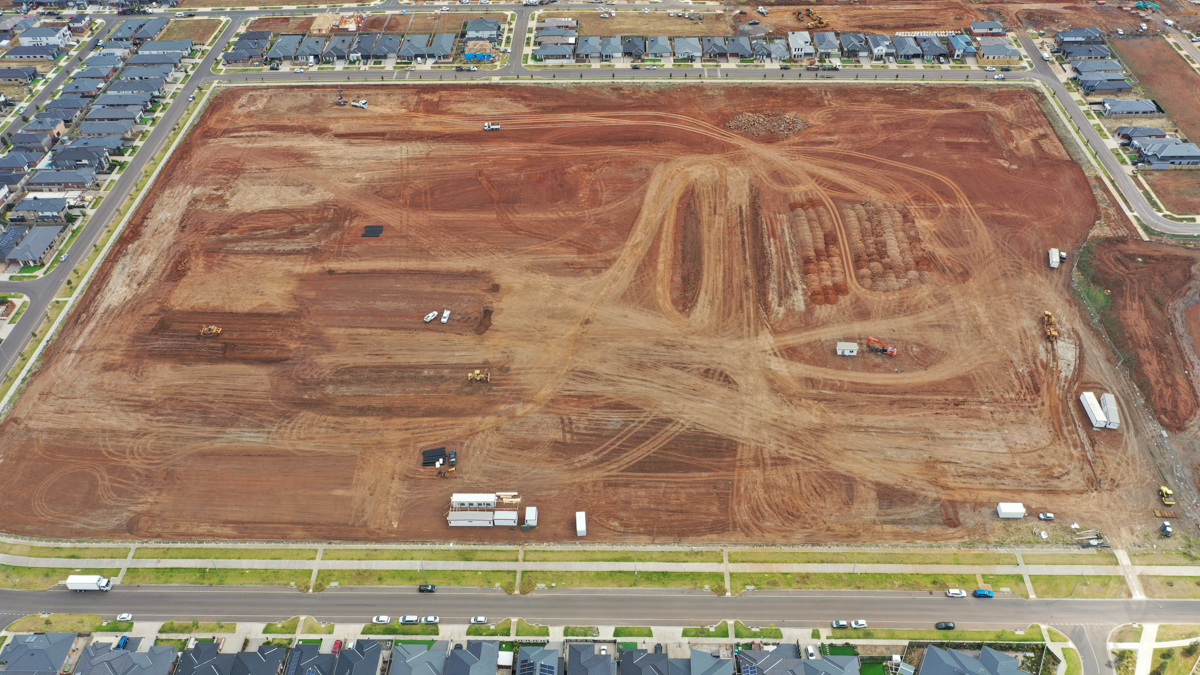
x=1046, y=516
x=274, y=66
x=810, y=652
x=297, y=70
x=432, y=620
x=459, y=69
x=858, y=623
x=840, y=624
x=785, y=67
x=125, y=617
x=944, y=625
x=381, y=620
x=472, y=68
x=1006, y=69
x=956, y=593
x=62, y=258
x=410, y=619
x=478, y=620
x=983, y=593
x=754, y=23
x=429, y=588
x=123, y=642
x=337, y=647
x=651, y=67
x=410, y=68
x=990, y=69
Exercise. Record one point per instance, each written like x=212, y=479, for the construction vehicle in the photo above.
x=1167, y=495
x=1166, y=530
x=491, y=126
x=359, y=104
x=881, y=348
x=1143, y=4
x=1050, y=326
x=478, y=376
x=341, y=99
x=210, y=331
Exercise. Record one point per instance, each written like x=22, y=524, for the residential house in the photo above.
x=19, y=75
x=142, y=100
x=388, y=46
x=41, y=653
x=364, y=47
x=46, y=37
x=338, y=48
x=83, y=87
x=715, y=48
x=153, y=86
x=115, y=47
x=310, y=48
x=417, y=659
x=174, y=46
x=771, y=51
x=175, y=58
x=79, y=24
x=150, y=30
x=1079, y=36
x=205, y=659
x=365, y=658
x=43, y=210
x=54, y=127
x=979, y=28
x=15, y=182
x=564, y=53
x=587, y=48
x=1086, y=52
x=961, y=47
x=932, y=48
x=95, y=73
x=785, y=660
x=938, y=661
x=827, y=44
x=99, y=658
x=610, y=48
x=998, y=55
x=67, y=117
x=688, y=49
x=9, y=26
x=10, y=238
x=538, y=660
x=413, y=47
x=124, y=129
x=44, y=53
x=1116, y=107
x=67, y=103
x=482, y=29
x=1126, y=134
x=800, y=45
x=127, y=29
x=1164, y=153
x=907, y=48
x=256, y=35
x=309, y=660
x=19, y=162
x=584, y=659
x=659, y=47
x=739, y=48
x=110, y=143
x=32, y=142
x=633, y=48
x=702, y=663
x=37, y=247
x=147, y=72
x=854, y=46
x=131, y=113
x=479, y=658
x=78, y=158
x=1104, y=83
x=57, y=180
x=881, y=47
x=1097, y=66
x=105, y=61
x=242, y=57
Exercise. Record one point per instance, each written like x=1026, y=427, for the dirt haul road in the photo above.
x=656, y=297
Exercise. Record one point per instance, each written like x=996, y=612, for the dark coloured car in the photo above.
x=785, y=67
x=459, y=69
x=944, y=625
x=426, y=588
x=1006, y=69
x=983, y=593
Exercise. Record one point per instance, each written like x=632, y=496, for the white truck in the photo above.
x=1094, y=411
x=491, y=126
x=1045, y=56
x=88, y=582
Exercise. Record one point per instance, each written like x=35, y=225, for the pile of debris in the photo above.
x=779, y=124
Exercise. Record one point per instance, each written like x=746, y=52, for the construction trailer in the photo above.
x=505, y=519
x=470, y=518
x=1094, y=410
x=477, y=501
x=580, y=524
x=1057, y=257
x=1010, y=510
x=847, y=349
x=1108, y=403
x=531, y=516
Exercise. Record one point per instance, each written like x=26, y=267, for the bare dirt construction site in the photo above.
x=1179, y=191
x=1168, y=78
x=656, y=296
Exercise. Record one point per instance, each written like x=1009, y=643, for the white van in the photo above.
x=410, y=619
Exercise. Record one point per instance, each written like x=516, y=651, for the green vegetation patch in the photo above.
x=40, y=578
x=400, y=629
x=201, y=553
x=468, y=554
x=579, y=631
x=507, y=580
x=1171, y=631
x=742, y=631
x=526, y=629
x=1031, y=634
x=895, y=582
x=633, y=631
x=195, y=575
x=314, y=627
x=1172, y=661
x=284, y=627
x=68, y=623
x=624, y=556
x=1056, y=636
x=1074, y=664
x=1130, y=632
x=720, y=630
x=1097, y=558
x=499, y=629
x=871, y=558
x=69, y=552
x=1064, y=586
x=714, y=580
x=196, y=626
x=171, y=642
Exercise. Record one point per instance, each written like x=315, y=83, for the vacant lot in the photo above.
x=1179, y=191
x=848, y=557
x=656, y=297
x=1167, y=77
x=200, y=31
x=635, y=22
x=283, y=25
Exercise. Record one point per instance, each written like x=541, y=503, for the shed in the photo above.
x=580, y=523
x=1010, y=510
x=470, y=519
x=847, y=349
x=473, y=500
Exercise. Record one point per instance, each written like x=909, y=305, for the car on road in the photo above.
x=956, y=593
x=858, y=623
x=125, y=617
x=337, y=647
x=1120, y=32
x=381, y=620
x=179, y=15
x=445, y=9
x=983, y=593
x=1046, y=516
x=410, y=619
x=840, y=624
x=429, y=588
x=472, y=68
x=190, y=14
x=505, y=50
x=1006, y=69
x=944, y=625
x=410, y=68
x=810, y=652
x=999, y=77
x=990, y=69
x=62, y=258
x=785, y=67
x=651, y=67
x=478, y=620
x=432, y=620
x=297, y=70
x=459, y=69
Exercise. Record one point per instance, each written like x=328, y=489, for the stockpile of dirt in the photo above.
x=778, y=124
x=824, y=275
x=886, y=246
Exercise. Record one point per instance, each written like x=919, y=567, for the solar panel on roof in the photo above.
x=527, y=668
x=546, y=669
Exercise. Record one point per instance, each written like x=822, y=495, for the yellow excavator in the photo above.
x=210, y=331
x=479, y=376
x=1167, y=495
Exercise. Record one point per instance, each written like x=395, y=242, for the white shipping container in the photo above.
x=1010, y=510
x=1094, y=412
x=472, y=500
x=506, y=519
x=1054, y=260
x=470, y=519
x=580, y=524
x=1108, y=403
x=531, y=516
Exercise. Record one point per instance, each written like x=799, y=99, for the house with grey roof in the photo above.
x=388, y=46
x=95, y=72
x=715, y=48
x=175, y=58
x=907, y=48
x=987, y=28
x=633, y=48
x=659, y=47
x=132, y=113
x=785, y=660
x=1086, y=52
x=960, y=46
x=11, y=237
x=58, y=180
x=150, y=30
x=66, y=116
x=366, y=656
x=881, y=47
x=644, y=662
x=479, y=658
x=127, y=29
x=82, y=87
x=702, y=663
x=1164, y=153
x=205, y=659
x=537, y=660
x=118, y=48
x=938, y=661
x=67, y=103
x=482, y=29
x=20, y=75
x=36, y=248
x=931, y=47
x=739, y=47
x=998, y=55
x=826, y=44
x=124, y=128
x=19, y=162
x=43, y=653
x=147, y=72
x=610, y=47
x=1079, y=36
x=104, y=61
x=587, y=48
x=110, y=142
x=1115, y=107
x=28, y=141
x=338, y=48
x=1104, y=83
x=285, y=48
x=310, y=47
x=411, y=659
x=364, y=47
x=1096, y=66
x=688, y=48
x=584, y=659
x=54, y=127
x=771, y=51
x=153, y=86
x=854, y=46
x=1126, y=134
x=307, y=659
x=46, y=210
x=80, y=158
x=36, y=53
x=564, y=53
x=800, y=45
x=99, y=658
x=45, y=36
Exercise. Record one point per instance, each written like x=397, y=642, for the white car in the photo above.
x=1121, y=32
x=810, y=652
x=1046, y=516
x=297, y=70
x=999, y=77
x=431, y=316
x=956, y=593
x=445, y=316
x=858, y=623
x=445, y=9
x=478, y=620
x=62, y=258
x=381, y=620
x=125, y=617
x=990, y=69
x=432, y=620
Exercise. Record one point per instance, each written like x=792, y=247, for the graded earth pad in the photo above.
x=655, y=297
x=1167, y=77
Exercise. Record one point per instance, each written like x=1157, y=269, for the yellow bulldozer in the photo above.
x=1050, y=325
x=479, y=376
x=210, y=331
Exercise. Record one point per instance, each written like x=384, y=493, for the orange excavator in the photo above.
x=881, y=348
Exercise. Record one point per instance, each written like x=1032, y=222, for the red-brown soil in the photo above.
x=1168, y=78
x=283, y=25
x=871, y=18
x=1179, y=191
x=1147, y=282
x=656, y=298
